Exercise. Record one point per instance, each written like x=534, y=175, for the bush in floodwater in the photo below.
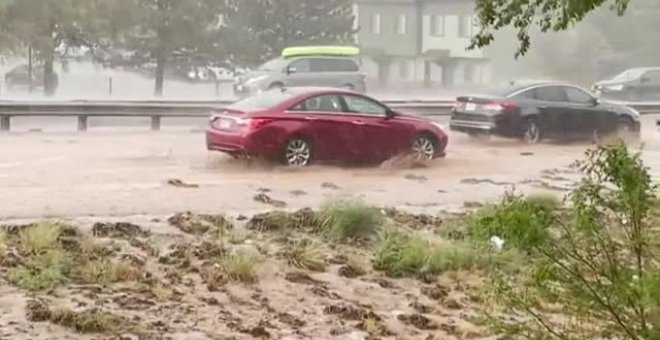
x=600, y=271
x=522, y=223
x=345, y=220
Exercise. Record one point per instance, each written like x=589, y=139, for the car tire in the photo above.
x=275, y=86
x=424, y=147
x=531, y=132
x=298, y=152
x=626, y=129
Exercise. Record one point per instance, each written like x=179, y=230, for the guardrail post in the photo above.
x=82, y=123
x=155, y=123
x=5, y=123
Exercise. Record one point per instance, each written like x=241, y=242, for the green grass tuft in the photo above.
x=350, y=220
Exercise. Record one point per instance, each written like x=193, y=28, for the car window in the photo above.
x=333, y=65
x=653, y=76
x=575, y=95
x=529, y=94
x=300, y=65
x=357, y=104
x=550, y=94
x=323, y=103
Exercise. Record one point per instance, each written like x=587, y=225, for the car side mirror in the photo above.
x=390, y=114
x=595, y=101
x=290, y=70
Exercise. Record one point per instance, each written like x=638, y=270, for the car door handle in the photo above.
x=311, y=118
x=357, y=122
x=543, y=107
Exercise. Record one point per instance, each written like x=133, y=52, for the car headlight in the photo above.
x=615, y=87
x=255, y=80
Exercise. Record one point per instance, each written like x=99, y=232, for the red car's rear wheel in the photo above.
x=298, y=153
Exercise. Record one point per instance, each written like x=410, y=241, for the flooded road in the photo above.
x=122, y=173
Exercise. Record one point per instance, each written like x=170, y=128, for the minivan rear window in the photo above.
x=333, y=65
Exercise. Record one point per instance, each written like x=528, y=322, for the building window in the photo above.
x=375, y=24
x=437, y=25
x=404, y=69
x=466, y=26
x=401, y=23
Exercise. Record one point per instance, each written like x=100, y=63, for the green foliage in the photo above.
x=523, y=15
x=345, y=220
x=520, y=222
x=600, y=271
x=403, y=254
x=44, y=271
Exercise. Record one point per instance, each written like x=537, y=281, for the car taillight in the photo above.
x=500, y=106
x=253, y=123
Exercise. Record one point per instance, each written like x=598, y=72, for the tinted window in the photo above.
x=263, y=100
x=333, y=65
x=324, y=103
x=577, y=96
x=529, y=94
x=653, y=76
x=551, y=94
x=300, y=65
x=356, y=104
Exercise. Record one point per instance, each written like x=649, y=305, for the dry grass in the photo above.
x=105, y=272
x=343, y=220
x=306, y=255
x=41, y=237
x=241, y=267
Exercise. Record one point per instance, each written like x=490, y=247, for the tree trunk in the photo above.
x=161, y=62
x=50, y=79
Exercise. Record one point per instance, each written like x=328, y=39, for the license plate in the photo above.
x=225, y=123
x=470, y=107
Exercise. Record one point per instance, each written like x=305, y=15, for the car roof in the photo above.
x=506, y=88
x=312, y=90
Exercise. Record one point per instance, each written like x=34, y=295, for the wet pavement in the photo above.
x=114, y=171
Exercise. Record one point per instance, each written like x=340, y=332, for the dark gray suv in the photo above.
x=326, y=71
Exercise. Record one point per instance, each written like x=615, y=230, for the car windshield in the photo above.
x=263, y=100
x=273, y=65
x=629, y=74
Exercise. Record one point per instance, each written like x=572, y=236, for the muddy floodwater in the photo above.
x=164, y=240
x=121, y=173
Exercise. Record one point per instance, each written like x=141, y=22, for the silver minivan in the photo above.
x=307, y=70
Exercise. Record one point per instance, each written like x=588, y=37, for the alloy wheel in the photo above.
x=298, y=153
x=532, y=133
x=424, y=149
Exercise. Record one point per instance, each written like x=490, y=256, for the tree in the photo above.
x=46, y=25
x=154, y=30
x=258, y=30
x=523, y=15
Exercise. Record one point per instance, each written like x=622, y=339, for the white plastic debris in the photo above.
x=497, y=242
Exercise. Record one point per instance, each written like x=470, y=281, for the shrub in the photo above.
x=347, y=220
x=520, y=222
x=601, y=271
x=241, y=266
x=403, y=254
x=40, y=237
x=42, y=272
x=305, y=255
x=106, y=272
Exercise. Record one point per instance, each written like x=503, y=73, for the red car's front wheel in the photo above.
x=424, y=148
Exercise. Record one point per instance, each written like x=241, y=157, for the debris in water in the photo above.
x=417, y=178
x=265, y=199
x=181, y=184
x=328, y=185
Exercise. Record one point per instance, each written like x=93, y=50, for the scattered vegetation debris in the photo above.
x=416, y=178
x=418, y=321
x=297, y=193
x=302, y=278
x=181, y=184
x=412, y=220
x=89, y=321
x=329, y=185
x=350, y=271
x=265, y=199
x=123, y=230
x=350, y=312
x=280, y=220
x=483, y=181
x=527, y=153
x=420, y=307
x=198, y=224
x=264, y=190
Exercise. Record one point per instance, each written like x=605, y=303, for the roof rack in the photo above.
x=326, y=50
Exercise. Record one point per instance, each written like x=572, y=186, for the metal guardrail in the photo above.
x=157, y=110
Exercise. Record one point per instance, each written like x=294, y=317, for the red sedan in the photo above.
x=302, y=125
